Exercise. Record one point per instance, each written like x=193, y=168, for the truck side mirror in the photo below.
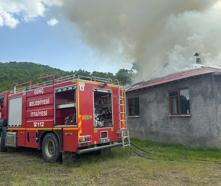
x=5, y=123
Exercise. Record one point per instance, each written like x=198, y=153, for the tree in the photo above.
x=124, y=76
x=82, y=73
x=103, y=74
x=18, y=72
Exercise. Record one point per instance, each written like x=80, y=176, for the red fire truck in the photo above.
x=66, y=115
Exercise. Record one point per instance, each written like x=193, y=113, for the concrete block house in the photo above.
x=181, y=108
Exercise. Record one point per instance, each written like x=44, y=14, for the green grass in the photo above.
x=161, y=165
x=177, y=152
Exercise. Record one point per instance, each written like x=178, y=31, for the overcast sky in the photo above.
x=31, y=31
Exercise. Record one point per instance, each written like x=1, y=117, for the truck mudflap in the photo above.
x=97, y=148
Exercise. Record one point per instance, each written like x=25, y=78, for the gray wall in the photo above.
x=201, y=129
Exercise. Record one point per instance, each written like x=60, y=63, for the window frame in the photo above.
x=128, y=107
x=179, y=114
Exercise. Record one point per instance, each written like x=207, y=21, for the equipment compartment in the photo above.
x=103, y=109
x=65, y=99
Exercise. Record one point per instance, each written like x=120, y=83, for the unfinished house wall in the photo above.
x=217, y=92
x=200, y=129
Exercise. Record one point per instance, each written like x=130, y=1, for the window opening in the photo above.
x=179, y=102
x=134, y=106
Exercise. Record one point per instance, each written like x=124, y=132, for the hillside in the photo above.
x=18, y=72
x=14, y=72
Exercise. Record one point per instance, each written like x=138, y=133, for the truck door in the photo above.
x=1, y=107
x=4, y=106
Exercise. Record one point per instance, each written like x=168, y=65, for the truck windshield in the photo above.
x=103, y=109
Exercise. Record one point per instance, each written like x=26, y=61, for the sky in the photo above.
x=161, y=37
x=48, y=39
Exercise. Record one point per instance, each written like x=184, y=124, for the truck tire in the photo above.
x=51, y=148
x=2, y=143
x=106, y=152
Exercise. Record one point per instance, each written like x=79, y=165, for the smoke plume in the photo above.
x=160, y=36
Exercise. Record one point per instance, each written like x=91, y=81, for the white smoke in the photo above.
x=161, y=36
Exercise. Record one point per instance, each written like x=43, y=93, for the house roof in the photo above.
x=174, y=77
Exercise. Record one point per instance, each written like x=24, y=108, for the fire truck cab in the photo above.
x=65, y=115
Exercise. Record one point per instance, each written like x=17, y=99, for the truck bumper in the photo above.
x=97, y=148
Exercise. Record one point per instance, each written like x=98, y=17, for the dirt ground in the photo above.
x=160, y=165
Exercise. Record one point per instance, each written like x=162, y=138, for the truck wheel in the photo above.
x=50, y=148
x=2, y=143
x=106, y=151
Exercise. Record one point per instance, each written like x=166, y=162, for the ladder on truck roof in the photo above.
x=27, y=86
x=123, y=117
